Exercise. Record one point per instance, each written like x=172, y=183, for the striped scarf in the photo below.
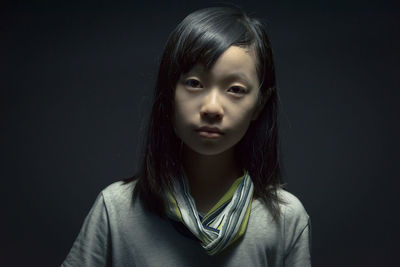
x=223, y=224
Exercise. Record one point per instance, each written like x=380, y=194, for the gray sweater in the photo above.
x=118, y=231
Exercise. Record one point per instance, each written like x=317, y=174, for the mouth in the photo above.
x=209, y=132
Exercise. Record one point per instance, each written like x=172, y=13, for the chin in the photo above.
x=210, y=149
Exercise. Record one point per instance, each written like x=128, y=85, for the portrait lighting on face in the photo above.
x=213, y=109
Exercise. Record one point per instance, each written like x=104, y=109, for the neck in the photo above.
x=210, y=176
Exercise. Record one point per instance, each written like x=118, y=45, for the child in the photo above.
x=209, y=190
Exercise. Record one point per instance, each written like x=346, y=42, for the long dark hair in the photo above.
x=201, y=38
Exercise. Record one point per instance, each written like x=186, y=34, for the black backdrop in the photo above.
x=76, y=83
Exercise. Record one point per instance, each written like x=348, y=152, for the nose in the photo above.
x=212, y=108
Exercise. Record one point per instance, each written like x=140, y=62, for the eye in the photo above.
x=193, y=83
x=238, y=90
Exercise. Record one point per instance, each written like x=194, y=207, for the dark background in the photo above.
x=77, y=81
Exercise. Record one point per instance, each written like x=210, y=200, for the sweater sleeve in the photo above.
x=92, y=246
x=297, y=232
x=299, y=255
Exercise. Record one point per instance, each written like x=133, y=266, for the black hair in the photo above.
x=201, y=38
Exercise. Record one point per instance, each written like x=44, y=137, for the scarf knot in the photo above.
x=223, y=224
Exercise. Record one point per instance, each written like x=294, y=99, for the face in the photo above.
x=213, y=109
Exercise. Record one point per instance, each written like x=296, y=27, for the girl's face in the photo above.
x=213, y=109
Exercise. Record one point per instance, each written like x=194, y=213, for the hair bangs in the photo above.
x=206, y=37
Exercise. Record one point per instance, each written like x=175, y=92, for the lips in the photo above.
x=209, y=132
x=209, y=129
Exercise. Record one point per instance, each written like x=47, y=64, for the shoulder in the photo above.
x=118, y=189
x=118, y=193
x=291, y=206
x=291, y=209
x=295, y=216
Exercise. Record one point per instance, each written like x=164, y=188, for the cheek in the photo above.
x=244, y=125
x=182, y=113
x=239, y=126
x=183, y=116
x=241, y=120
x=183, y=104
x=243, y=115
